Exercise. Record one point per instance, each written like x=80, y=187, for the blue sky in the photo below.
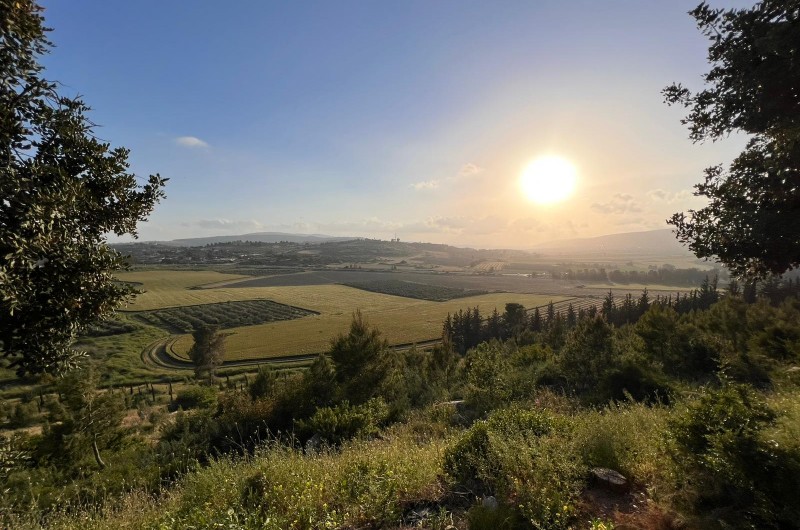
x=375, y=118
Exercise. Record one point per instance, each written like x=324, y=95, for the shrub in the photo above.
x=631, y=379
x=487, y=374
x=720, y=448
x=204, y=397
x=527, y=459
x=345, y=421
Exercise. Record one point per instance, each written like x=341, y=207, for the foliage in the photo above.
x=522, y=456
x=751, y=223
x=333, y=425
x=63, y=191
x=89, y=418
x=587, y=353
x=319, y=382
x=720, y=448
x=264, y=383
x=677, y=346
x=195, y=396
x=359, y=359
x=208, y=351
x=487, y=378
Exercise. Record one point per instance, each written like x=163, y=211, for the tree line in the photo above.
x=664, y=275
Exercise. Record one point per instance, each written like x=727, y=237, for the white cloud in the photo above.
x=426, y=185
x=190, y=141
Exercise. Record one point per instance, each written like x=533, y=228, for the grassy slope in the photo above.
x=378, y=483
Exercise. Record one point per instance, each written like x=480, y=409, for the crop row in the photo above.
x=420, y=291
x=111, y=326
x=225, y=315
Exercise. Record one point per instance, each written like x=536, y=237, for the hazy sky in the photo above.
x=409, y=117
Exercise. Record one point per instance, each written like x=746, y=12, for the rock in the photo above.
x=314, y=443
x=609, y=479
x=490, y=503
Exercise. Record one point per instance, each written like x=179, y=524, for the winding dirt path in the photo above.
x=156, y=355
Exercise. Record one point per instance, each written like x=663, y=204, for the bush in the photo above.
x=24, y=415
x=487, y=374
x=527, y=459
x=204, y=397
x=721, y=450
x=344, y=421
x=633, y=380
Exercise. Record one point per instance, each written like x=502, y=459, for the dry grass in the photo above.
x=401, y=320
x=174, y=288
x=366, y=484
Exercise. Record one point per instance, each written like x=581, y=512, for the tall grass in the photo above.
x=364, y=484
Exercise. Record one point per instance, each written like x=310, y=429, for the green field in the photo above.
x=401, y=319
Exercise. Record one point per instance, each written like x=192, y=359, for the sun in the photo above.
x=548, y=179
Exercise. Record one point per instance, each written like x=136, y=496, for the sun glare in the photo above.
x=548, y=180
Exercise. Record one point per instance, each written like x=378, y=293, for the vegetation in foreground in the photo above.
x=698, y=410
x=696, y=406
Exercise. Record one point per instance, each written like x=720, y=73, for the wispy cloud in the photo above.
x=226, y=224
x=467, y=225
x=660, y=195
x=190, y=141
x=468, y=170
x=620, y=203
x=426, y=185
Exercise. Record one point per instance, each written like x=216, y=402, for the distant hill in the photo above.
x=260, y=237
x=652, y=242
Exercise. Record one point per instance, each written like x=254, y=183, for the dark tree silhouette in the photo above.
x=752, y=221
x=207, y=352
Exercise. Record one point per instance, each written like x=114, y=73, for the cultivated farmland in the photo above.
x=298, y=313
x=224, y=314
x=420, y=291
x=402, y=320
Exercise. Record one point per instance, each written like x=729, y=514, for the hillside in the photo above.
x=258, y=237
x=651, y=242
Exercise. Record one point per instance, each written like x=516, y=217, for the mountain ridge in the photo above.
x=259, y=237
x=661, y=241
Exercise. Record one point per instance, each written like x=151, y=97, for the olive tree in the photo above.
x=752, y=220
x=62, y=191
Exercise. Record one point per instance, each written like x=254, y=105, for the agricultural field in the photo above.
x=401, y=320
x=490, y=266
x=166, y=288
x=406, y=306
x=502, y=282
x=223, y=314
x=420, y=291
